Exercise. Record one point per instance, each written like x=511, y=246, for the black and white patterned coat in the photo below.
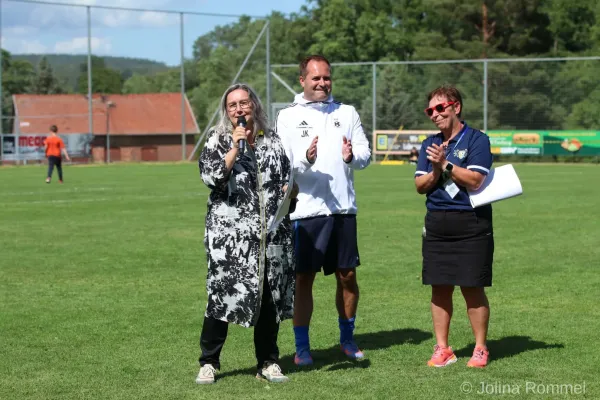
x=241, y=206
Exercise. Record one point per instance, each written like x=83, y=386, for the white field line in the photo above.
x=73, y=190
x=103, y=199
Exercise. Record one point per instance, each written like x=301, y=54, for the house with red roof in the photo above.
x=137, y=127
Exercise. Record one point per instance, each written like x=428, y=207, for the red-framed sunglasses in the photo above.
x=438, y=107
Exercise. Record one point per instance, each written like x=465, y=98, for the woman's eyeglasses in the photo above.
x=244, y=105
x=438, y=107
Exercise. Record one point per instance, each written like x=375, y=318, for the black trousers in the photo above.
x=214, y=333
x=52, y=161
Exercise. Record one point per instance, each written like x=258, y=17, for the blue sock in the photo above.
x=346, y=329
x=301, y=335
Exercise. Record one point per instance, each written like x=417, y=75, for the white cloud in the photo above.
x=158, y=19
x=17, y=30
x=121, y=18
x=46, y=28
x=56, y=17
x=23, y=46
x=114, y=19
x=32, y=46
x=135, y=19
x=80, y=45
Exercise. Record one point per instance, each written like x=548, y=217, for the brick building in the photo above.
x=140, y=127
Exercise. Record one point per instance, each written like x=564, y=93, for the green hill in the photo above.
x=66, y=67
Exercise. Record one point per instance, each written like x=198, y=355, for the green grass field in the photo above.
x=102, y=289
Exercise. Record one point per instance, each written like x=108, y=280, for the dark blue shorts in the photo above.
x=329, y=242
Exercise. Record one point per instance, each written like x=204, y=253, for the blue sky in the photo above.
x=43, y=28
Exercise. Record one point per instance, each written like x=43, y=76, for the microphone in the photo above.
x=242, y=142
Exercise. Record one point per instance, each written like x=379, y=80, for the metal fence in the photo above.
x=520, y=94
x=96, y=29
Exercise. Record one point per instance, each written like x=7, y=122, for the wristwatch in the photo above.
x=447, y=172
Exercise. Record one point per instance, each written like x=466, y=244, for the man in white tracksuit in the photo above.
x=326, y=143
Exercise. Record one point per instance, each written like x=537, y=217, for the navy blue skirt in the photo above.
x=458, y=247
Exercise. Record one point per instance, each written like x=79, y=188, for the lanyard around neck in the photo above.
x=456, y=144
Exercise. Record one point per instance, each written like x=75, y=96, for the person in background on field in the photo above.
x=250, y=279
x=328, y=144
x=55, y=147
x=414, y=156
x=458, y=240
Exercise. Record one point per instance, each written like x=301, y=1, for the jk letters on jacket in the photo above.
x=241, y=206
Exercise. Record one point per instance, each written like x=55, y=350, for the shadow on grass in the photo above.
x=509, y=346
x=332, y=358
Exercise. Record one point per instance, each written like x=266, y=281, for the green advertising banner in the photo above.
x=515, y=142
x=509, y=142
x=548, y=143
x=581, y=143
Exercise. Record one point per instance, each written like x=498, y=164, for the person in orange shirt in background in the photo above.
x=54, y=147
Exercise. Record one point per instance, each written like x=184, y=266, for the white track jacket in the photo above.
x=327, y=186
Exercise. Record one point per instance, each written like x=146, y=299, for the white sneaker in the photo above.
x=272, y=374
x=206, y=375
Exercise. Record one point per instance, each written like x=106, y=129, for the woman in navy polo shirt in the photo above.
x=458, y=240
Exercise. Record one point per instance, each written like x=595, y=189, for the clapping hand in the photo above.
x=437, y=156
x=311, y=153
x=347, y=150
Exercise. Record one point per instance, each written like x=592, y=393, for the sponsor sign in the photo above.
x=31, y=147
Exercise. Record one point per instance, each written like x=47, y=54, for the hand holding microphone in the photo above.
x=240, y=134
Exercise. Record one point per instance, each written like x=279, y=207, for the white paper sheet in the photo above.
x=284, y=206
x=500, y=184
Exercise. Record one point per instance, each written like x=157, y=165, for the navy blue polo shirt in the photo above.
x=469, y=149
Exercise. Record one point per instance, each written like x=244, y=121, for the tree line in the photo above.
x=521, y=95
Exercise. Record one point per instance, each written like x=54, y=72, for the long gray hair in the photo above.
x=259, y=116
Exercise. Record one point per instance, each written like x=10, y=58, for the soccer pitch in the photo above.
x=102, y=288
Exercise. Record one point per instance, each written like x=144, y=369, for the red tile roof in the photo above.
x=131, y=114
